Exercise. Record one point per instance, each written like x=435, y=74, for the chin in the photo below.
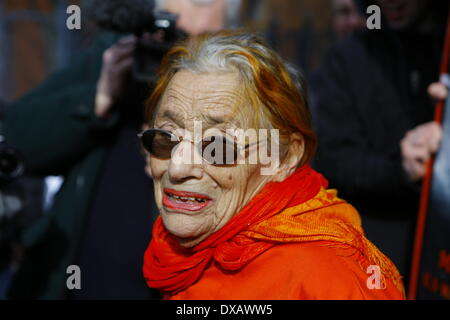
x=183, y=226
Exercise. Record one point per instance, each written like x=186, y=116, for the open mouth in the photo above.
x=184, y=200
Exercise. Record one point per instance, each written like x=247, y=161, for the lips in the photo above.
x=184, y=200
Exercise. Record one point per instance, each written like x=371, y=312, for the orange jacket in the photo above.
x=294, y=240
x=305, y=271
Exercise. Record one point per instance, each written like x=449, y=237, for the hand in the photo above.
x=438, y=91
x=117, y=62
x=417, y=146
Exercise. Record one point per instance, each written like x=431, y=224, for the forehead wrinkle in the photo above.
x=178, y=89
x=207, y=121
x=224, y=102
x=214, y=107
x=177, y=96
x=222, y=96
x=179, y=102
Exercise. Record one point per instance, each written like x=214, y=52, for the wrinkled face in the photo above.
x=197, y=17
x=401, y=13
x=197, y=199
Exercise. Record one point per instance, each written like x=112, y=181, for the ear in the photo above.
x=296, y=149
x=148, y=168
x=146, y=155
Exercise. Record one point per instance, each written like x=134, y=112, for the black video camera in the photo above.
x=156, y=30
x=150, y=51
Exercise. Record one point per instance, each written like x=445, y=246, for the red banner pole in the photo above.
x=425, y=193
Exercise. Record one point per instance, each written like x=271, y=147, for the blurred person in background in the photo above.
x=374, y=118
x=82, y=123
x=346, y=18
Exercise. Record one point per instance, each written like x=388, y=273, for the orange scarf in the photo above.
x=293, y=210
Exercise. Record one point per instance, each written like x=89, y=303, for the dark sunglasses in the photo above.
x=216, y=150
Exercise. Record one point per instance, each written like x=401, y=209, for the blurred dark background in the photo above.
x=34, y=40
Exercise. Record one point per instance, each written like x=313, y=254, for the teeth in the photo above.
x=185, y=199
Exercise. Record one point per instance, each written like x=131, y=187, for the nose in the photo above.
x=182, y=165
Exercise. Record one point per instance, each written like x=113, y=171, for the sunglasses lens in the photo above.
x=216, y=150
x=219, y=150
x=158, y=143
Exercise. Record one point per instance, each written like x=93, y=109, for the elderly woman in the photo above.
x=233, y=228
